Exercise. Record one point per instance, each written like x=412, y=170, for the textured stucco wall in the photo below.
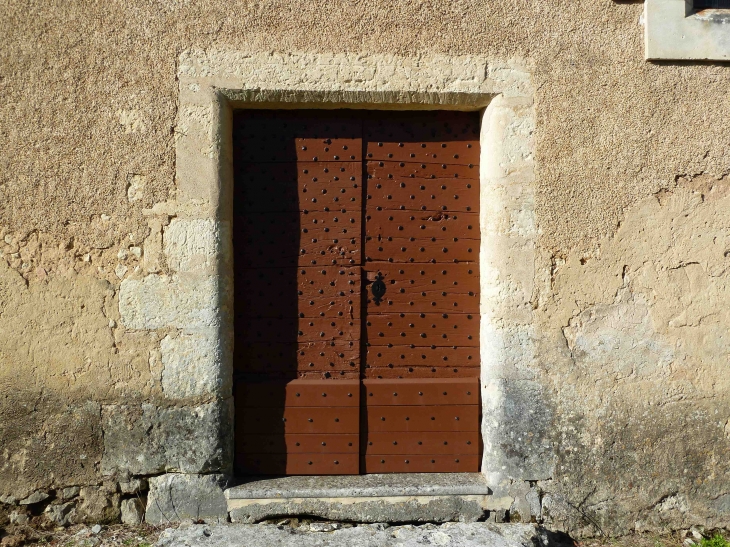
x=629, y=294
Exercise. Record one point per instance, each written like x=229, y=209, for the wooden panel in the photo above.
x=285, y=239
x=419, y=251
x=441, y=329
x=297, y=464
x=312, y=186
x=299, y=444
x=300, y=420
x=420, y=392
x=306, y=393
x=423, y=194
x=401, y=442
x=425, y=288
x=297, y=358
x=383, y=356
x=317, y=291
x=307, y=329
x=418, y=372
x=419, y=463
x=422, y=418
x=422, y=226
x=446, y=153
x=416, y=170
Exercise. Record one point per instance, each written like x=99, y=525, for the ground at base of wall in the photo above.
x=295, y=532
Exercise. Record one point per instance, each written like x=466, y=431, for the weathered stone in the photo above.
x=175, y=497
x=193, y=365
x=516, y=428
x=36, y=497
x=133, y=486
x=98, y=505
x=96, y=529
x=374, y=509
x=70, y=492
x=194, y=244
x=182, y=301
x=63, y=514
x=132, y=511
x=18, y=517
x=8, y=500
x=373, y=485
x=144, y=440
x=445, y=535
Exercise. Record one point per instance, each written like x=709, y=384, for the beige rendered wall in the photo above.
x=629, y=276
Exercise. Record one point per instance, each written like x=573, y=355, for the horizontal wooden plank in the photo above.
x=425, y=226
x=314, y=186
x=402, y=442
x=433, y=356
x=306, y=393
x=293, y=419
x=287, y=148
x=422, y=418
x=432, y=301
x=310, y=238
x=445, y=152
x=417, y=126
x=411, y=392
x=423, y=194
x=417, y=170
x=418, y=251
x=297, y=464
x=329, y=357
x=441, y=329
x=323, y=291
x=300, y=123
x=300, y=330
x=419, y=372
x=298, y=444
x=406, y=283
x=420, y=463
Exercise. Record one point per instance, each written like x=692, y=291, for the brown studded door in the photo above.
x=343, y=216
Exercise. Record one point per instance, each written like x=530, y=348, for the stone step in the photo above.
x=397, y=497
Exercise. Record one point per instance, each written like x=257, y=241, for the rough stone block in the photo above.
x=516, y=431
x=176, y=497
x=133, y=486
x=98, y=504
x=146, y=439
x=194, y=244
x=372, y=509
x=192, y=365
x=132, y=511
x=62, y=515
x=36, y=497
x=158, y=301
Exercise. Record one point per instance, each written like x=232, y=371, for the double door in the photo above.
x=356, y=237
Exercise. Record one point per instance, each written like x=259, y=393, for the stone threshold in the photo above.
x=346, y=486
x=406, y=497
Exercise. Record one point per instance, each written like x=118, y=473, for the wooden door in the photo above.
x=297, y=240
x=345, y=365
x=421, y=374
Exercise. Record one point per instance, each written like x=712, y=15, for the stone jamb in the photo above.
x=193, y=300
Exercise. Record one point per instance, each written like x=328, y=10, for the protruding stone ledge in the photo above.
x=345, y=486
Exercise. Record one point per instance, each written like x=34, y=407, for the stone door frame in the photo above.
x=189, y=299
